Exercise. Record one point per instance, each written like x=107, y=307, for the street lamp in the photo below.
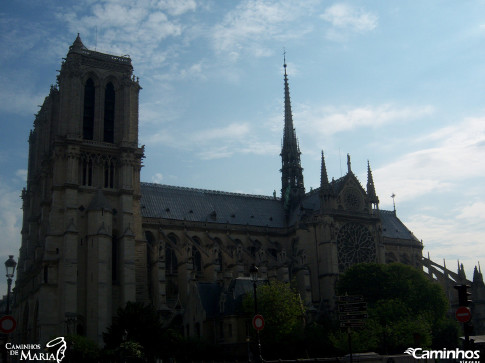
x=10, y=265
x=253, y=274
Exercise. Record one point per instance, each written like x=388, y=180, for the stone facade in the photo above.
x=82, y=222
x=95, y=237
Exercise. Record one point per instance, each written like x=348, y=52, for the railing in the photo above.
x=104, y=56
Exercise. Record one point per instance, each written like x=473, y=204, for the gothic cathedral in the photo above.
x=94, y=237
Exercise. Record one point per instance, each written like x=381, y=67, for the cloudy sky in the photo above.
x=401, y=84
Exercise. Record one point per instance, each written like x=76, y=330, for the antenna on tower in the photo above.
x=340, y=161
x=394, y=202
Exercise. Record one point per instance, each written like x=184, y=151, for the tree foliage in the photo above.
x=405, y=308
x=81, y=349
x=136, y=330
x=283, y=313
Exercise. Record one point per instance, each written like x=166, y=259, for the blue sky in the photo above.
x=401, y=84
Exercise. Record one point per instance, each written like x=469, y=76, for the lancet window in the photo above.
x=88, y=114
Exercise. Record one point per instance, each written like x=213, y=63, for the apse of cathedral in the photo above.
x=94, y=237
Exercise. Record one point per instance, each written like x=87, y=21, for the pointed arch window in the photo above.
x=114, y=258
x=196, y=259
x=150, y=247
x=109, y=113
x=109, y=171
x=170, y=261
x=88, y=114
x=87, y=172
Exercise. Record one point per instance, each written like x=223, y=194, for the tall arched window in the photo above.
x=109, y=113
x=88, y=115
x=35, y=326
x=109, y=172
x=150, y=257
x=196, y=259
x=171, y=263
x=114, y=258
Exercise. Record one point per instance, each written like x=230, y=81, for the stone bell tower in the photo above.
x=82, y=221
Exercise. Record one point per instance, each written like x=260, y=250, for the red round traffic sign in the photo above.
x=463, y=314
x=258, y=322
x=7, y=324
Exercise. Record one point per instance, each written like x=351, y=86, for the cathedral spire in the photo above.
x=292, y=186
x=477, y=275
x=371, y=190
x=323, y=173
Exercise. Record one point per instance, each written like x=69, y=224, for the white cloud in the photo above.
x=453, y=155
x=230, y=132
x=22, y=174
x=126, y=27
x=329, y=120
x=157, y=178
x=450, y=239
x=346, y=20
x=251, y=23
x=10, y=220
x=472, y=211
x=21, y=100
x=176, y=7
x=215, y=152
x=215, y=143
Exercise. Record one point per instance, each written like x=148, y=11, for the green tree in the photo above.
x=136, y=330
x=81, y=349
x=405, y=308
x=283, y=314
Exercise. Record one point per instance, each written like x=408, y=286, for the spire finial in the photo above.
x=284, y=59
x=394, y=202
x=349, y=168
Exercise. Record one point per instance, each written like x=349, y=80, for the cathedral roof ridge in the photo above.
x=79, y=48
x=390, y=212
x=210, y=191
x=313, y=191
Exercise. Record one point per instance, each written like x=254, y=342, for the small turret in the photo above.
x=461, y=271
x=78, y=44
x=371, y=190
x=477, y=276
x=323, y=174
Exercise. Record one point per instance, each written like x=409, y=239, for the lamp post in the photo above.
x=253, y=273
x=10, y=265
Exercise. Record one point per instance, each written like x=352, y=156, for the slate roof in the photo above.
x=179, y=203
x=392, y=227
x=199, y=205
x=210, y=293
x=210, y=296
